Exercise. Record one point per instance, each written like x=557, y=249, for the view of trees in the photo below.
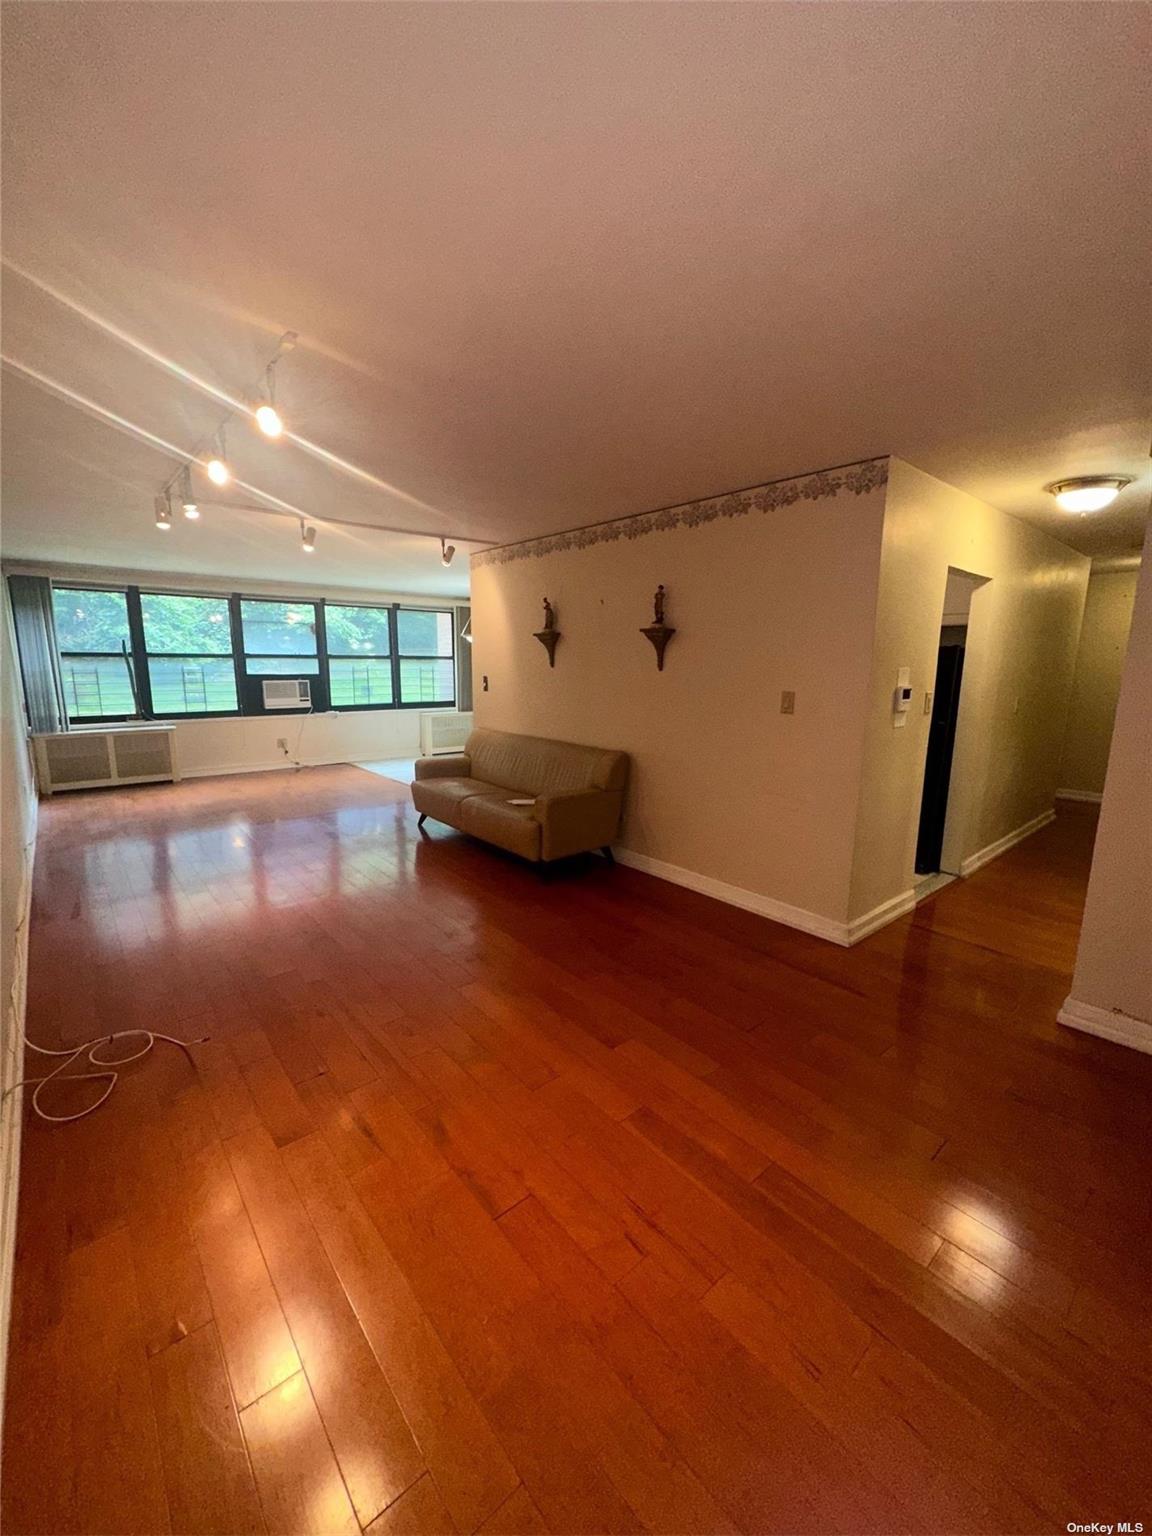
x=188, y=640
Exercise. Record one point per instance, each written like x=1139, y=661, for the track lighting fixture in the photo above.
x=1088, y=493
x=163, y=513
x=308, y=538
x=218, y=471
x=447, y=551
x=267, y=416
x=187, y=499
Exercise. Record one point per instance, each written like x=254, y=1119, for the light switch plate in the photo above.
x=787, y=702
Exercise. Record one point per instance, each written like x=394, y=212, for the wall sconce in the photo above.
x=549, y=636
x=658, y=632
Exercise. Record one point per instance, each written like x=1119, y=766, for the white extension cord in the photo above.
x=60, y=1074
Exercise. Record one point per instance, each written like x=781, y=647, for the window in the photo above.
x=92, y=633
x=359, y=656
x=188, y=643
x=427, y=658
x=279, y=638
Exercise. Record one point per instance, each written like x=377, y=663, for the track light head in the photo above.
x=218, y=471
x=163, y=513
x=187, y=499
x=268, y=420
x=447, y=552
x=307, y=538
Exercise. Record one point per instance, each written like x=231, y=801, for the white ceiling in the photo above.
x=555, y=263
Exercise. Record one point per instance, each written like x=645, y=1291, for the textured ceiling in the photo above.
x=555, y=263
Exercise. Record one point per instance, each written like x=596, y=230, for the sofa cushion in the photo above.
x=539, y=766
x=508, y=826
x=442, y=798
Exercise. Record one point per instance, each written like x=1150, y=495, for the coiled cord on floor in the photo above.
x=60, y=1074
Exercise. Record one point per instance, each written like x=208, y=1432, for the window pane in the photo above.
x=360, y=682
x=279, y=629
x=427, y=682
x=192, y=686
x=282, y=666
x=424, y=633
x=197, y=625
x=90, y=621
x=350, y=630
x=96, y=685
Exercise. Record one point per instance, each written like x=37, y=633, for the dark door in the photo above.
x=941, y=742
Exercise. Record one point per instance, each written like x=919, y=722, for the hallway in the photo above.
x=581, y=1207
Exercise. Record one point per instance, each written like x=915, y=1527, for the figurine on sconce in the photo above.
x=549, y=636
x=658, y=631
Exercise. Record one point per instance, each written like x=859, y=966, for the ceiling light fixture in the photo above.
x=163, y=516
x=187, y=500
x=268, y=418
x=447, y=552
x=307, y=538
x=218, y=471
x=1088, y=493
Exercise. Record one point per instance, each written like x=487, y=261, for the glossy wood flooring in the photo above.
x=590, y=1206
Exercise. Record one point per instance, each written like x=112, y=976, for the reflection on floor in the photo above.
x=403, y=769
x=592, y=1206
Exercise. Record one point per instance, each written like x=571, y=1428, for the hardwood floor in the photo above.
x=592, y=1206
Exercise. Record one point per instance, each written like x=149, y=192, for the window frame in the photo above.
x=63, y=656
x=146, y=656
x=388, y=609
x=249, y=694
x=450, y=611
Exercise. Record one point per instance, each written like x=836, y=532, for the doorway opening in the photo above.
x=945, y=718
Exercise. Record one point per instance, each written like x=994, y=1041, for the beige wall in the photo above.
x=724, y=785
x=1096, y=686
x=1114, y=962
x=1023, y=625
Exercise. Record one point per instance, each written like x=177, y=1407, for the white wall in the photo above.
x=244, y=744
x=1023, y=626
x=17, y=830
x=1112, y=987
x=725, y=788
x=1096, y=685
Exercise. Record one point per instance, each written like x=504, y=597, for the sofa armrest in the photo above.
x=577, y=822
x=457, y=765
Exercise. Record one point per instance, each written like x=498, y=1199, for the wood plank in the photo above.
x=206, y=1470
x=301, y=1490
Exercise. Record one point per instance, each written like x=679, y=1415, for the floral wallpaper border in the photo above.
x=867, y=475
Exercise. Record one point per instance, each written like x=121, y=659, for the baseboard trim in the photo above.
x=737, y=896
x=879, y=917
x=12, y=1118
x=1091, y=796
x=977, y=861
x=1107, y=1023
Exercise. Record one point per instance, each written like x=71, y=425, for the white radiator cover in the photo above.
x=444, y=730
x=91, y=759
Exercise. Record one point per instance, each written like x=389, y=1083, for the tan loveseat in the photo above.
x=575, y=794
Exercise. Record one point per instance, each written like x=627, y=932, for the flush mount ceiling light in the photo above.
x=447, y=552
x=1087, y=493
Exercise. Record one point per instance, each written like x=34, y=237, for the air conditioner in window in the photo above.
x=287, y=693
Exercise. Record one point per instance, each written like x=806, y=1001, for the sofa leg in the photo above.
x=608, y=854
x=421, y=822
